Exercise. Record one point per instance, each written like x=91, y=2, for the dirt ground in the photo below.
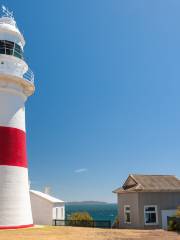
x=70, y=233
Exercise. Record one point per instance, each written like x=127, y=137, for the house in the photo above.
x=46, y=208
x=145, y=201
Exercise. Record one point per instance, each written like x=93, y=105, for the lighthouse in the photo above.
x=16, y=85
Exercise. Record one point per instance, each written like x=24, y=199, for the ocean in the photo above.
x=97, y=211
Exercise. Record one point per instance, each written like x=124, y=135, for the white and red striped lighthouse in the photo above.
x=16, y=85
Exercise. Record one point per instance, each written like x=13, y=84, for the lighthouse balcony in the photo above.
x=17, y=71
x=16, y=74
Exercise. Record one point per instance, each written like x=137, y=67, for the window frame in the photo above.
x=11, y=49
x=127, y=211
x=155, y=211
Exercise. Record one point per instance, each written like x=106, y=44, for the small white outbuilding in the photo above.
x=46, y=208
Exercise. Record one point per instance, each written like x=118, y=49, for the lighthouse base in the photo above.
x=15, y=205
x=16, y=227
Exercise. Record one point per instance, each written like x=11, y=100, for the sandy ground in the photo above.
x=75, y=233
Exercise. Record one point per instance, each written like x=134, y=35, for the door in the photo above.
x=58, y=213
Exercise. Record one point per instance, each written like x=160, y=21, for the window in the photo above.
x=150, y=215
x=10, y=48
x=127, y=214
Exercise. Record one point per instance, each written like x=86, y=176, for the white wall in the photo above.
x=43, y=211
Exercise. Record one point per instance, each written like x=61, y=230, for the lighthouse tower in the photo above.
x=16, y=85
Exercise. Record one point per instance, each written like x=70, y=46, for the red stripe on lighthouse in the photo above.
x=12, y=147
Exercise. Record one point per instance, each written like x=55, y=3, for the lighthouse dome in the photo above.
x=10, y=32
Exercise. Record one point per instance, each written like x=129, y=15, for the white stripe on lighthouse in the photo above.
x=14, y=197
x=12, y=110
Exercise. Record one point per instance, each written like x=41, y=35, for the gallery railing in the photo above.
x=79, y=223
x=29, y=76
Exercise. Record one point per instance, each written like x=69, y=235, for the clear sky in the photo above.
x=107, y=100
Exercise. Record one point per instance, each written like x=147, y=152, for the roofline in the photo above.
x=144, y=191
x=133, y=176
x=136, y=174
x=60, y=201
x=130, y=175
x=115, y=191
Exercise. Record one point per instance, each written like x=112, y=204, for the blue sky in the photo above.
x=107, y=100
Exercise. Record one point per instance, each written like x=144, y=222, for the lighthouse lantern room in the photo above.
x=16, y=85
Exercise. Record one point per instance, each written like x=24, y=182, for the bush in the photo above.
x=81, y=216
x=116, y=223
x=174, y=222
x=178, y=212
x=80, y=219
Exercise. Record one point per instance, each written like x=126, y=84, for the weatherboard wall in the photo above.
x=130, y=199
x=42, y=210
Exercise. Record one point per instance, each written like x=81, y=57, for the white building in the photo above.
x=46, y=208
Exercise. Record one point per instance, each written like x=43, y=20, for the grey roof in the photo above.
x=150, y=183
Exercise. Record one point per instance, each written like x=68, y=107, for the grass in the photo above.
x=76, y=233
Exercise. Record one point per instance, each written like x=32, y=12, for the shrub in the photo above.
x=116, y=223
x=178, y=212
x=81, y=216
x=80, y=219
x=174, y=222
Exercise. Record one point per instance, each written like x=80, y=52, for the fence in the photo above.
x=79, y=223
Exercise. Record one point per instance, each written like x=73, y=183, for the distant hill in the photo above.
x=86, y=203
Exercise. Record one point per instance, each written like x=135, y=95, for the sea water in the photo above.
x=97, y=211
